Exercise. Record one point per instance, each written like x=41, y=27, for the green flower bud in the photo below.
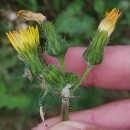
x=94, y=54
x=51, y=73
x=56, y=79
x=55, y=46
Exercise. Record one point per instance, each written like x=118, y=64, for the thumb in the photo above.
x=73, y=125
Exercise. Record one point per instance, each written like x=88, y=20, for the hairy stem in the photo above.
x=65, y=101
x=82, y=77
x=65, y=107
x=61, y=60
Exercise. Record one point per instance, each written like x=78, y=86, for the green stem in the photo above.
x=83, y=77
x=61, y=60
x=65, y=107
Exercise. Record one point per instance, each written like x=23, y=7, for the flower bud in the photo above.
x=108, y=23
x=55, y=45
x=94, y=54
x=56, y=79
x=51, y=73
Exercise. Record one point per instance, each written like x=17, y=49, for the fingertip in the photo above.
x=73, y=125
x=47, y=124
x=74, y=60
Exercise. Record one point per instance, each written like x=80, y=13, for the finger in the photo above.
x=70, y=125
x=113, y=116
x=47, y=124
x=113, y=72
x=73, y=125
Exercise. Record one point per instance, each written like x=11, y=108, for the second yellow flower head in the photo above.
x=108, y=23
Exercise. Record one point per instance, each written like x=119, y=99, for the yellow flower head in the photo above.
x=24, y=39
x=108, y=23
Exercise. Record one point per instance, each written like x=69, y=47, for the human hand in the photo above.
x=112, y=73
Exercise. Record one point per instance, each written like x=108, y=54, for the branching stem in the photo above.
x=61, y=60
x=82, y=77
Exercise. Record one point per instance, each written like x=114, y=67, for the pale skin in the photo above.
x=112, y=73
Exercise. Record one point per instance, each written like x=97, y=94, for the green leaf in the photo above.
x=30, y=4
x=3, y=100
x=20, y=101
x=2, y=88
x=11, y=62
x=89, y=97
x=56, y=5
x=77, y=25
x=71, y=10
x=33, y=95
x=16, y=87
x=99, y=6
x=76, y=41
x=2, y=94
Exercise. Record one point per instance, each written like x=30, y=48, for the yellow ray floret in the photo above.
x=108, y=23
x=24, y=39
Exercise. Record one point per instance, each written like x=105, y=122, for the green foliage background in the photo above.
x=76, y=20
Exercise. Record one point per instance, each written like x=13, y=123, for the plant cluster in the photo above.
x=53, y=79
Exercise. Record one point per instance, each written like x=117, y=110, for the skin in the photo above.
x=112, y=73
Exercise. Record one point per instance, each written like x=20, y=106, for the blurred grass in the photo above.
x=76, y=20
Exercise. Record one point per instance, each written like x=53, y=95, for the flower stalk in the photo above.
x=65, y=101
x=61, y=60
x=82, y=78
x=64, y=109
